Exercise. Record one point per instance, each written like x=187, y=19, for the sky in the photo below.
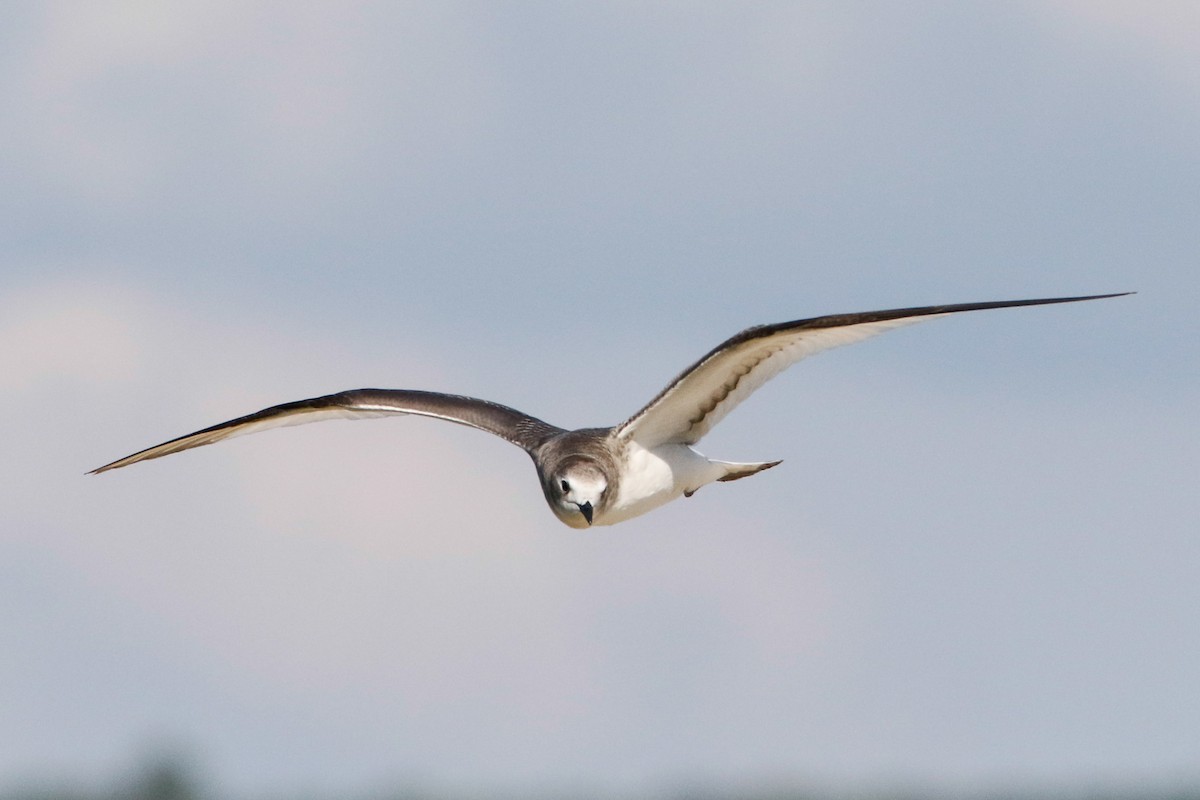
x=976, y=566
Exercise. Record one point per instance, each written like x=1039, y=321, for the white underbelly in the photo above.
x=658, y=476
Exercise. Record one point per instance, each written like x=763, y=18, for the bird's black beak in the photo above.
x=586, y=510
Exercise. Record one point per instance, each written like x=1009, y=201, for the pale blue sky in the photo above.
x=977, y=563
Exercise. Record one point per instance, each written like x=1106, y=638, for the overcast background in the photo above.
x=978, y=565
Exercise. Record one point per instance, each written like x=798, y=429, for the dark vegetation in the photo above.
x=175, y=779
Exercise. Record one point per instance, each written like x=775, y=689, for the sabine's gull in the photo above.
x=602, y=476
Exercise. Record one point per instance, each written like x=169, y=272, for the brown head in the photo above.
x=578, y=474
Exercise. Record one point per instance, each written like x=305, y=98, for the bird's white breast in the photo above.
x=652, y=477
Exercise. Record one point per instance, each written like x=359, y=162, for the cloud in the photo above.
x=395, y=567
x=294, y=201
x=67, y=335
x=125, y=101
x=1165, y=34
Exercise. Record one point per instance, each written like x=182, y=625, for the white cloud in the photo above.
x=354, y=599
x=68, y=336
x=400, y=567
x=82, y=59
x=1165, y=33
x=121, y=101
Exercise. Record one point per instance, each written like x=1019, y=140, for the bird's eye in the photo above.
x=566, y=487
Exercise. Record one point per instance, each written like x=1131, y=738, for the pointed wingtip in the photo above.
x=120, y=462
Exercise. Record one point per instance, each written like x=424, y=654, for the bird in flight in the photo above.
x=602, y=476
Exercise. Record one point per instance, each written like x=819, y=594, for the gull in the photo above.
x=602, y=476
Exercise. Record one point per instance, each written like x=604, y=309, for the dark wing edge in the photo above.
x=842, y=320
x=509, y=424
x=626, y=429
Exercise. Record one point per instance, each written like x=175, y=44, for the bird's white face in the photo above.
x=578, y=492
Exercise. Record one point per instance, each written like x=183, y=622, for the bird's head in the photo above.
x=576, y=491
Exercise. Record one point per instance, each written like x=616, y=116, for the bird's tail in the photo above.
x=734, y=470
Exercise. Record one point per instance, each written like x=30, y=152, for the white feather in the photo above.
x=700, y=398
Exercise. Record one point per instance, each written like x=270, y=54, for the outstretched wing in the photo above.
x=521, y=429
x=705, y=392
